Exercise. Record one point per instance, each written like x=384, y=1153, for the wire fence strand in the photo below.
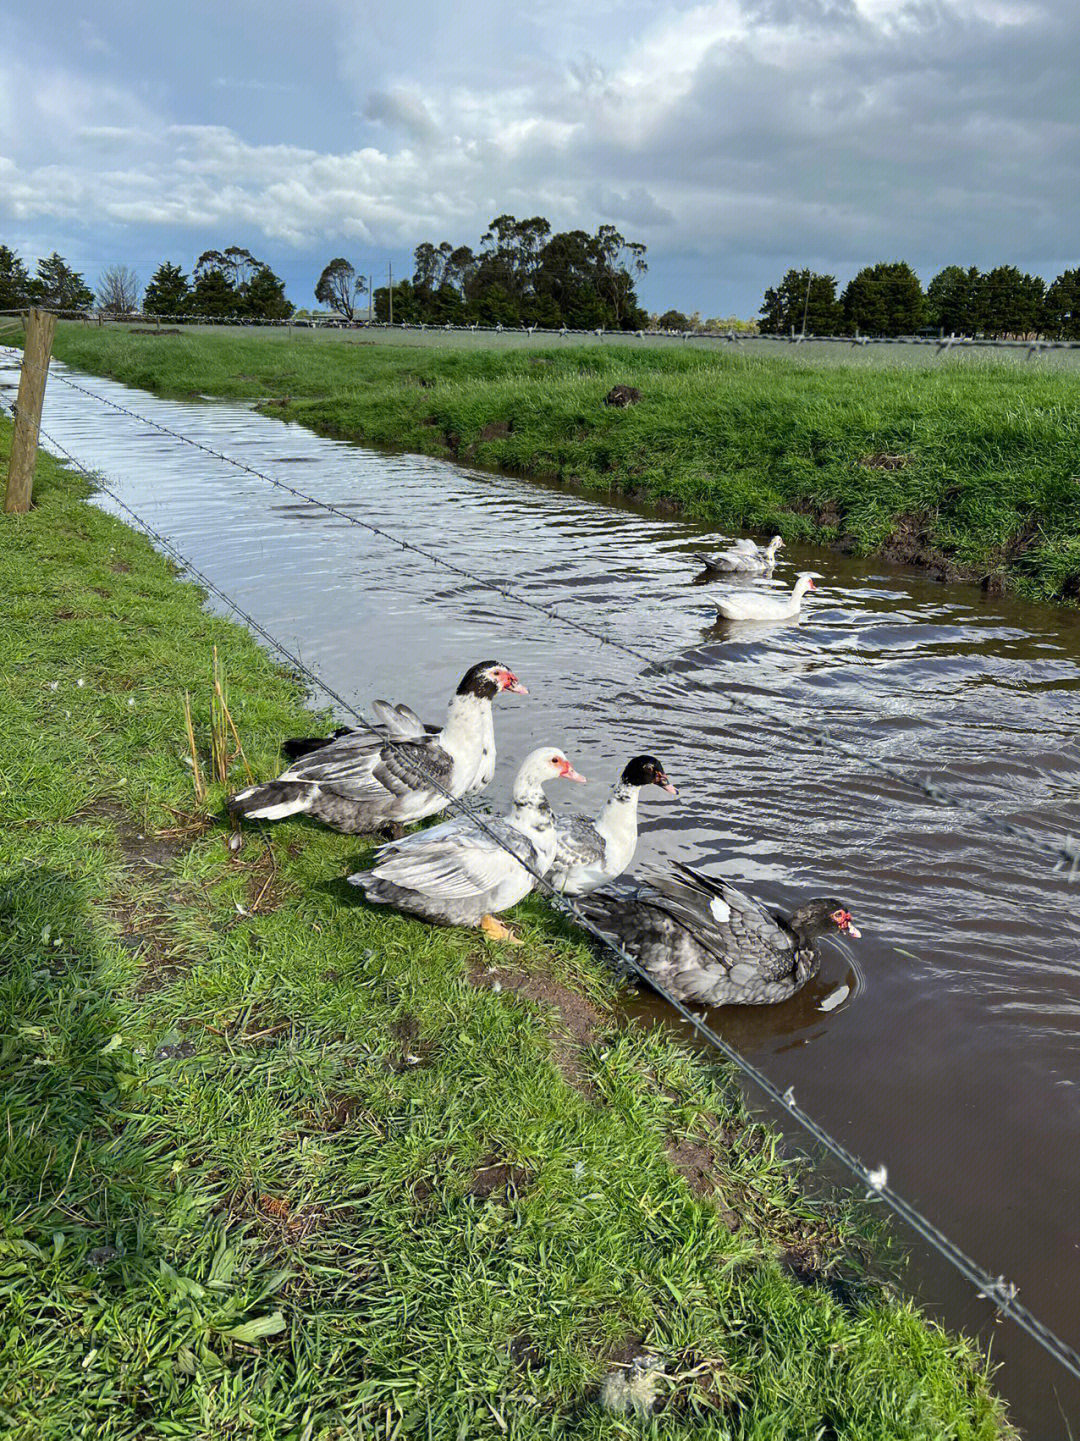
x=1062, y=851
x=1002, y=1293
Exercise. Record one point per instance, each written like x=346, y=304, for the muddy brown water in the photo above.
x=955, y=1058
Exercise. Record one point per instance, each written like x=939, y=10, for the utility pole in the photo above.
x=390, y=289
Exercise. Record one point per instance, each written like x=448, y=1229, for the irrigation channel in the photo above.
x=954, y=1056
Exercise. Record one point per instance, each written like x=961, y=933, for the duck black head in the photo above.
x=646, y=771
x=820, y=916
x=488, y=678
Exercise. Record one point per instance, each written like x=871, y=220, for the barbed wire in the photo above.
x=944, y=344
x=996, y=1289
x=1063, y=851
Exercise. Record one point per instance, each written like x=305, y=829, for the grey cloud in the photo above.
x=403, y=112
x=635, y=206
x=964, y=145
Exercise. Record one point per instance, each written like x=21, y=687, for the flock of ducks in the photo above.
x=699, y=937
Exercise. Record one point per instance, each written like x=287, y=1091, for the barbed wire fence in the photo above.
x=1002, y=1293
x=1030, y=346
x=1063, y=851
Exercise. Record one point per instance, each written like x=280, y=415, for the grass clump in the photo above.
x=277, y=1165
x=982, y=480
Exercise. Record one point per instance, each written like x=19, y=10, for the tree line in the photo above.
x=224, y=284
x=522, y=274
x=525, y=274
x=888, y=299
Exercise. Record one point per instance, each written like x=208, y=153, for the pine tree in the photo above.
x=168, y=290
x=15, y=282
x=884, y=299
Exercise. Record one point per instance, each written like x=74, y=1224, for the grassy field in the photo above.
x=279, y=1166
x=843, y=352
x=968, y=468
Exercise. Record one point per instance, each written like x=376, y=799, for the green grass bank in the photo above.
x=969, y=468
x=277, y=1166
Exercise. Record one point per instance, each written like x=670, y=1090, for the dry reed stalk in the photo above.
x=196, y=773
x=221, y=723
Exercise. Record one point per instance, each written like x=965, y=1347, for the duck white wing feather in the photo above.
x=735, y=562
x=364, y=768
x=457, y=861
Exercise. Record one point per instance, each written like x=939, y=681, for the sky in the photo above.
x=735, y=138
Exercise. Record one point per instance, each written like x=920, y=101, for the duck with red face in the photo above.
x=397, y=771
x=705, y=940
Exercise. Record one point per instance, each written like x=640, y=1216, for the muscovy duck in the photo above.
x=590, y=852
x=764, y=604
x=744, y=557
x=460, y=873
x=359, y=781
x=705, y=940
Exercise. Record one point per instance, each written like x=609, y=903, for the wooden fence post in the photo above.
x=40, y=328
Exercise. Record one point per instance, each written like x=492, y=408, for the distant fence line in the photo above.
x=1031, y=345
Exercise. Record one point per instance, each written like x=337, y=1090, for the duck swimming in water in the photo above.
x=765, y=604
x=590, y=852
x=743, y=557
x=362, y=781
x=705, y=940
x=460, y=873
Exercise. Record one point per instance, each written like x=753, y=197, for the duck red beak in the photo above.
x=509, y=681
x=568, y=773
x=665, y=785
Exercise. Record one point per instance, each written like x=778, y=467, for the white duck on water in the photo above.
x=705, y=940
x=590, y=852
x=764, y=604
x=460, y=873
x=360, y=782
x=742, y=557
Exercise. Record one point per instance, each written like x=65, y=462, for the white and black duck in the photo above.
x=460, y=873
x=743, y=557
x=590, y=852
x=360, y=781
x=705, y=940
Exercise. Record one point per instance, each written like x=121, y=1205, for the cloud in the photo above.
x=757, y=132
x=402, y=111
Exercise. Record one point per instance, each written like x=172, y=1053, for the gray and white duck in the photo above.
x=460, y=873
x=591, y=852
x=705, y=940
x=742, y=557
x=359, y=781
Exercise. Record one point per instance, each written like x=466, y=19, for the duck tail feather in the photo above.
x=273, y=801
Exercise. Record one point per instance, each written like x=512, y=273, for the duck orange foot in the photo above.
x=496, y=931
